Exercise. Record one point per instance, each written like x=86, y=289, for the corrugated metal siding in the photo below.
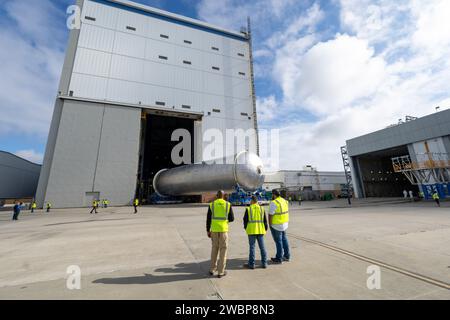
x=18, y=177
x=130, y=62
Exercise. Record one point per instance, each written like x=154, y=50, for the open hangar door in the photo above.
x=378, y=177
x=157, y=145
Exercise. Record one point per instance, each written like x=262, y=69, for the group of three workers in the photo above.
x=256, y=224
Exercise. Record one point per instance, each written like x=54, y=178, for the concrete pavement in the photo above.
x=163, y=253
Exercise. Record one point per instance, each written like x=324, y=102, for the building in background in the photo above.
x=18, y=178
x=308, y=183
x=132, y=75
x=412, y=155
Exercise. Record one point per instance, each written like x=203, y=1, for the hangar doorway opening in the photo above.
x=156, y=148
x=377, y=175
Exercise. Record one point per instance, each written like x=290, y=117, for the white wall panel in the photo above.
x=238, y=66
x=157, y=27
x=148, y=95
x=240, y=88
x=240, y=47
x=97, y=38
x=125, y=91
x=192, y=99
x=241, y=106
x=226, y=46
x=214, y=102
x=158, y=74
x=213, y=60
x=187, y=79
x=129, y=45
x=105, y=16
x=213, y=83
x=92, y=62
x=127, y=68
x=155, y=48
x=210, y=40
x=192, y=35
x=192, y=55
x=90, y=87
x=165, y=95
x=134, y=20
x=171, y=30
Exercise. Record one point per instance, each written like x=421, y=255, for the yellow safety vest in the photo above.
x=435, y=196
x=34, y=205
x=219, y=219
x=282, y=212
x=94, y=203
x=49, y=205
x=255, y=223
x=136, y=202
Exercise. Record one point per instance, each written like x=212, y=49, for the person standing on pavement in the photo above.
x=94, y=206
x=279, y=223
x=33, y=206
x=220, y=213
x=436, y=198
x=16, y=209
x=135, y=205
x=255, y=224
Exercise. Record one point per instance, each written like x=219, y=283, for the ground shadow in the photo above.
x=180, y=272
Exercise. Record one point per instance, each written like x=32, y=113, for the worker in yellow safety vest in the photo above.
x=219, y=215
x=135, y=205
x=255, y=224
x=279, y=223
x=436, y=198
x=33, y=206
x=49, y=206
x=94, y=206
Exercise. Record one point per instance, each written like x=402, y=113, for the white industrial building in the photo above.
x=412, y=155
x=309, y=183
x=132, y=75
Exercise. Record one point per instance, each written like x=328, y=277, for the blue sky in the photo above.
x=326, y=70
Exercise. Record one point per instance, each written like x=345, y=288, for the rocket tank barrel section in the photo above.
x=244, y=169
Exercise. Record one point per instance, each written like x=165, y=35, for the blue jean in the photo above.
x=282, y=244
x=252, y=240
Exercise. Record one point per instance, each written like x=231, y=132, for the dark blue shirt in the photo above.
x=16, y=208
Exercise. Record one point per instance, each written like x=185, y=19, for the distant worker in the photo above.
x=135, y=205
x=436, y=198
x=105, y=203
x=220, y=213
x=255, y=224
x=94, y=206
x=405, y=194
x=411, y=195
x=290, y=200
x=33, y=206
x=279, y=222
x=299, y=200
x=16, y=210
x=421, y=195
x=49, y=206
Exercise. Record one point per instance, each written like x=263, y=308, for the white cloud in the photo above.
x=303, y=23
x=267, y=108
x=433, y=26
x=394, y=62
x=32, y=55
x=332, y=75
x=31, y=155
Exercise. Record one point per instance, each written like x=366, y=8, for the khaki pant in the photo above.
x=219, y=250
